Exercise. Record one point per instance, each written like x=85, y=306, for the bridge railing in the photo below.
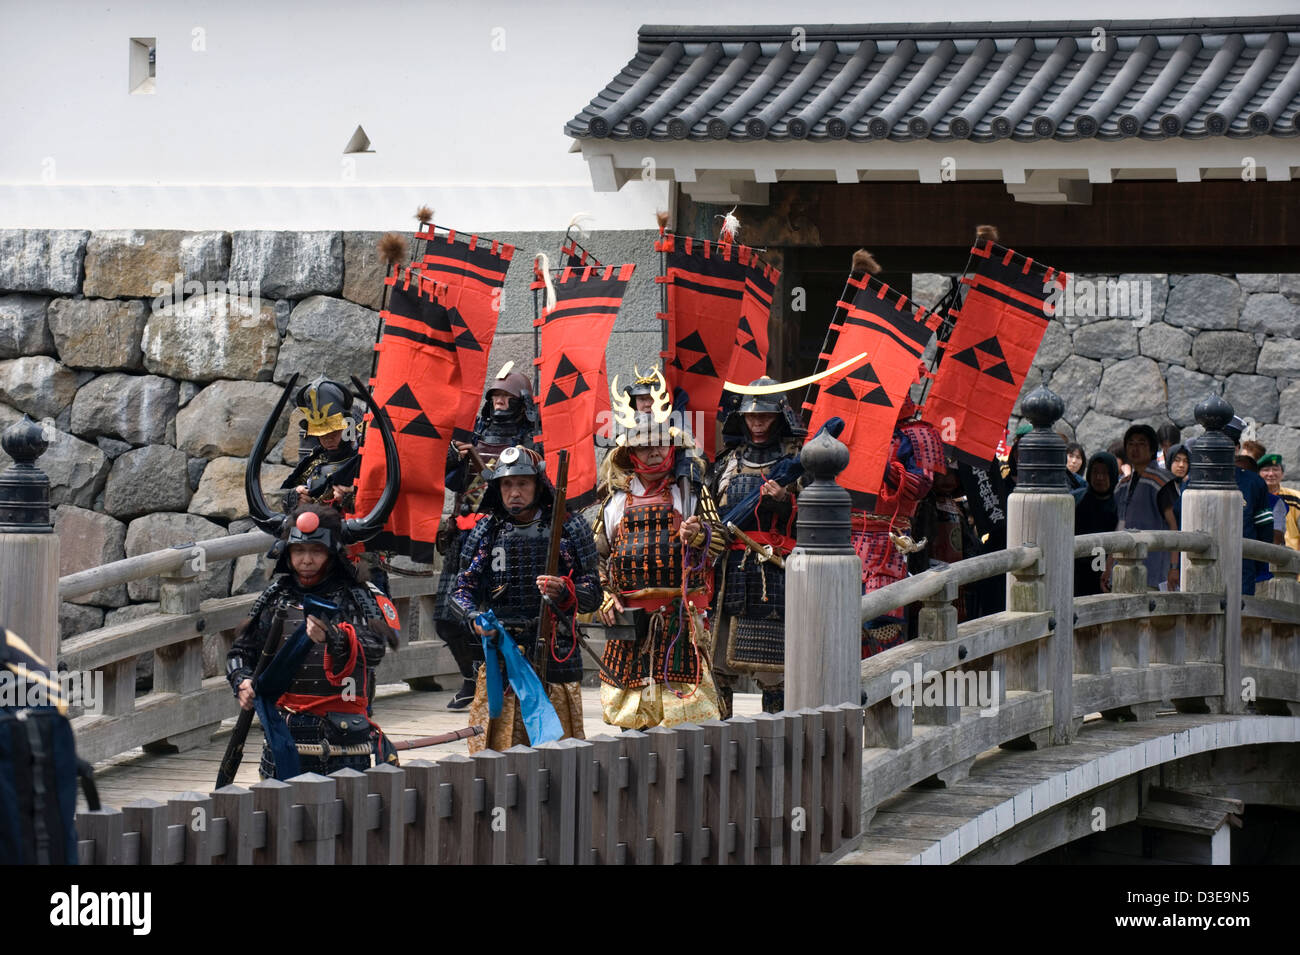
x=189, y=638
x=775, y=789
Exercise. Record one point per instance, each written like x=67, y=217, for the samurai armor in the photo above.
x=879, y=639
x=313, y=729
x=661, y=680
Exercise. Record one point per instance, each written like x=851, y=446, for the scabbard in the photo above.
x=764, y=553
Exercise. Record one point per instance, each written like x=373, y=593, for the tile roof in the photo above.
x=1235, y=76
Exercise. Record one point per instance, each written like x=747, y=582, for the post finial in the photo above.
x=1213, y=454
x=1040, y=458
x=24, y=488
x=824, y=507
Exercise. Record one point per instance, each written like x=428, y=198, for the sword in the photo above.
x=235, y=748
x=764, y=551
x=451, y=737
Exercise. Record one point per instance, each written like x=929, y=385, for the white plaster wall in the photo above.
x=249, y=132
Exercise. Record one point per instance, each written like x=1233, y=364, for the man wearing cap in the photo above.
x=1285, y=500
x=507, y=419
x=503, y=569
x=1147, y=499
x=312, y=699
x=762, y=432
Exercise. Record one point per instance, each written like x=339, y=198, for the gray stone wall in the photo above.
x=153, y=357
x=1116, y=364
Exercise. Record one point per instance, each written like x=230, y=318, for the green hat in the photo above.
x=1268, y=459
x=1024, y=428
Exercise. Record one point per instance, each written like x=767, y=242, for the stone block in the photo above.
x=76, y=619
x=1055, y=348
x=162, y=530
x=1133, y=388
x=89, y=539
x=24, y=329
x=364, y=270
x=289, y=264
x=1165, y=343
x=252, y=574
x=98, y=334
x=1186, y=390
x=112, y=447
x=48, y=261
x=225, y=417
x=1280, y=439
x=1076, y=381
x=37, y=385
x=328, y=336
x=205, y=256
x=1270, y=313
x=213, y=336
x=1289, y=404
x=1258, y=281
x=1154, y=289
x=152, y=478
x=1204, y=301
x=131, y=263
x=1279, y=357
x=76, y=469
x=220, y=493
x=1097, y=430
x=1112, y=338
x=1223, y=353
x=134, y=408
x=1253, y=396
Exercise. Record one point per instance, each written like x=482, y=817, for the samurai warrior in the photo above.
x=327, y=473
x=883, y=538
x=658, y=534
x=507, y=419
x=761, y=433
x=321, y=626
x=503, y=569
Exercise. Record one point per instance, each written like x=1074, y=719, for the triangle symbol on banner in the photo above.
x=676, y=363
x=693, y=342
x=877, y=396
x=421, y=427
x=579, y=387
x=751, y=346
x=990, y=346
x=554, y=395
x=565, y=367
x=703, y=367
x=864, y=373
x=967, y=357
x=403, y=397
x=1001, y=372
x=453, y=315
x=842, y=389
x=466, y=341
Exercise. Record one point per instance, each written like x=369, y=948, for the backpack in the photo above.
x=39, y=767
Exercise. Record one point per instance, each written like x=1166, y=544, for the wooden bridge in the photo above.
x=1165, y=709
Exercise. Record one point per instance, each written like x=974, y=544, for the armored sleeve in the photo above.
x=463, y=601
x=364, y=611
x=243, y=655
x=579, y=559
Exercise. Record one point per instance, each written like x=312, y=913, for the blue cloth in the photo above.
x=540, y=719
x=268, y=689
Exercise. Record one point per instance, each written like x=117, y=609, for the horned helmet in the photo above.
x=325, y=404
x=789, y=425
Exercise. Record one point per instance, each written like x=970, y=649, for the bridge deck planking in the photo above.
x=403, y=714
x=1003, y=785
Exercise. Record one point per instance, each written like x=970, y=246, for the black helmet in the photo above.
x=516, y=461
x=643, y=384
x=775, y=403
x=311, y=524
x=326, y=405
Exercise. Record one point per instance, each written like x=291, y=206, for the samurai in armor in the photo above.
x=657, y=534
x=762, y=432
x=318, y=722
x=503, y=569
x=327, y=473
x=882, y=538
x=507, y=419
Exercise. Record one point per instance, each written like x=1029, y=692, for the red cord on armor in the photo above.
x=685, y=619
x=573, y=622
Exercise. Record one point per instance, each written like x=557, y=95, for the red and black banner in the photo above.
x=749, y=353
x=473, y=273
x=572, y=392
x=706, y=302
x=893, y=332
x=996, y=334
x=418, y=383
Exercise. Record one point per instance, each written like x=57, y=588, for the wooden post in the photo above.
x=178, y=667
x=1212, y=503
x=29, y=548
x=823, y=589
x=1040, y=513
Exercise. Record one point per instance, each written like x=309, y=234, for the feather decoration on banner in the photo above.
x=730, y=227
x=424, y=215
x=544, y=270
x=392, y=249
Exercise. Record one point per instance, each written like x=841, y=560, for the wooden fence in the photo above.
x=774, y=789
